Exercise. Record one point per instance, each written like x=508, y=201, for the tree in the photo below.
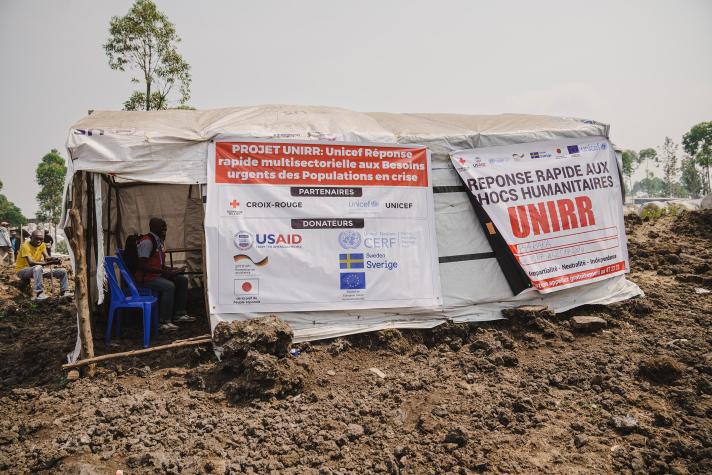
x=630, y=159
x=651, y=186
x=146, y=41
x=646, y=155
x=698, y=143
x=10, y=212
x=691, y=178
x=50, y=176
x=669, y=160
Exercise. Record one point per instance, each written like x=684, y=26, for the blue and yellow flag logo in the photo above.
x=350, y=261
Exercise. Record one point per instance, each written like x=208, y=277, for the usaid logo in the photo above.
x=278, y=240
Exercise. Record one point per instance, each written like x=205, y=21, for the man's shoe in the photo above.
x=184, y=319
x=40, y=296
x=67, y=293
x=168, y=327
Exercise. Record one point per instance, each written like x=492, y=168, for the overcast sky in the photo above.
x=645, y=67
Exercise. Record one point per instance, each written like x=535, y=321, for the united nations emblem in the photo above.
x=349, y=239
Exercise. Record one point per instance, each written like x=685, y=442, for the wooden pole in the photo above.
x=81, y=294
x=125, y=354
x=204, y=265
x=89, y=206
x=108, y=220
x=117, y=237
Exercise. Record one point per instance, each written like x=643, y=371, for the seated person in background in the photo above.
x=171, y=286
x=6, y=250
x=30, y=259
x=49, y=242
x=15, y=241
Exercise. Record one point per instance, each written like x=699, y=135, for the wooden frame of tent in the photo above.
x=83, y=239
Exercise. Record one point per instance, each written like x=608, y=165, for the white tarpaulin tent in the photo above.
x=137, y=154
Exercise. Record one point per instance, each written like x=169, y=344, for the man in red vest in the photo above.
x=171, y=286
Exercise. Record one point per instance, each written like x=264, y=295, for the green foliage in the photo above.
x=648, y=155
x=698, y=143
x=669, y=160
x=651, y=186
x=653, y=211
x=50, y=176
x=9, y=212
x=691, y=178
x=145, y=40
x=61, y=247
x=630, y=159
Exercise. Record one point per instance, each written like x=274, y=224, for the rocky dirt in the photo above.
x=532, y=394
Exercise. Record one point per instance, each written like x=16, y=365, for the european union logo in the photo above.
x=351, y=261
x=572, y=149
x=353, y=280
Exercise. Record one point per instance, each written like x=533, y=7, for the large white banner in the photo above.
x=296, y=226
x=557, y=204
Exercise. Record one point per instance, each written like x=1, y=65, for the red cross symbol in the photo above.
x=234, y=203
x=462, y=161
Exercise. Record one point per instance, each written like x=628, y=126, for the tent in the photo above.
x=126, y=167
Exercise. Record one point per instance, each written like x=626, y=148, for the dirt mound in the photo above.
x=527, y=394
x=264, y=376
x=254, y=360
x=265, y=335
x=663, y=370
x=35, y=337
x=696, y=223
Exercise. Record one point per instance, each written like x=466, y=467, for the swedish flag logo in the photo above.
x=350, y=261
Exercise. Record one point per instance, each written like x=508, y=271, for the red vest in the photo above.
x=155, y=260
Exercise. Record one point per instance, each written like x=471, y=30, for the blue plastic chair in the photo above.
x=119, y=300
x=141, y=290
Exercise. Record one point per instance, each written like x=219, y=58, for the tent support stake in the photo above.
x=178, y=344
x=81, y=295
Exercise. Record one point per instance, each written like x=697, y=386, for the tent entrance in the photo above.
x=110, y=211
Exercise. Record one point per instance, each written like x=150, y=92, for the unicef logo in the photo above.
x=349, y=239
x=242, y=240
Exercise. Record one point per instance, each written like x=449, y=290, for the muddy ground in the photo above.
x=530, y=395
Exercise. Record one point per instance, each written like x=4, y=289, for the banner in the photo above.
x=296, y=226
x=557, y=204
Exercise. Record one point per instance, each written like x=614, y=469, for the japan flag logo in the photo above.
x=247, y=286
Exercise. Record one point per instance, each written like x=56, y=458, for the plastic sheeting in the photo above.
x=171, y=147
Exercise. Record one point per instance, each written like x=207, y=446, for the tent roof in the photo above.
x=137, y=145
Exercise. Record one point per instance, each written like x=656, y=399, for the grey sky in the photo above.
x=645, y=67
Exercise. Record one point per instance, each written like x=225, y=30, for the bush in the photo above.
x=653, y=211
x=62, y=247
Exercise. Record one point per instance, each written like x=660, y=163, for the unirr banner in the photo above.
x=557, y=204
x=296, y=226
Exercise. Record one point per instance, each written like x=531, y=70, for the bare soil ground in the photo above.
x=530, y=395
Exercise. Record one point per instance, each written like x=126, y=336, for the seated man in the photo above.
x=171, y=286
x=6, y=250
x=30, y=259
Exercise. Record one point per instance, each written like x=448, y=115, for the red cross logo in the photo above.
x=234, y=203
x=462, y=161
